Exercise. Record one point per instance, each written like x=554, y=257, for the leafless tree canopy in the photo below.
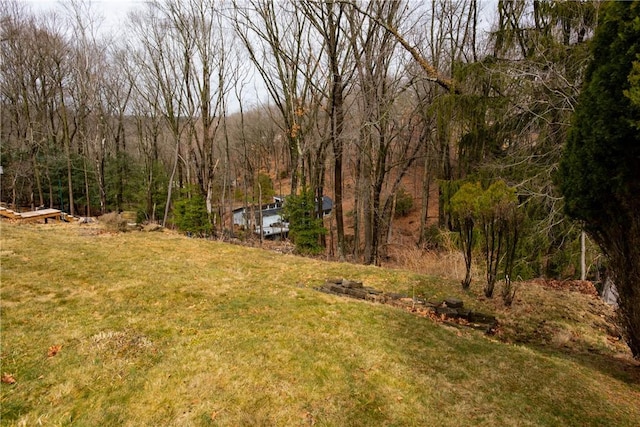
x=355, y=100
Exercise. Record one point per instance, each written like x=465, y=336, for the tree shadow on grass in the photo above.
x=488, y=381
x=620, y=366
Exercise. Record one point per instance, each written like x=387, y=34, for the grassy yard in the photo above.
x=156, y=329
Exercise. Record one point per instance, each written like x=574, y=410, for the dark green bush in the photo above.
x=404, y=203
x=304, y=228
x=190, y=215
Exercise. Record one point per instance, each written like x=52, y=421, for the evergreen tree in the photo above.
x=190, y=215
x=600, y=172
x=305, y=228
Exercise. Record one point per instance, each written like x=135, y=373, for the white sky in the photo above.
x=114, y=15
x=114, y=12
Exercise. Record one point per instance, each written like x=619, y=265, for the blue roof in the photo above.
x=327, y=203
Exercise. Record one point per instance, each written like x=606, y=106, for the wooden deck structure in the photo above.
x=43, y=214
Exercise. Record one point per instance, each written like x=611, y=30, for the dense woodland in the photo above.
x=354, y=96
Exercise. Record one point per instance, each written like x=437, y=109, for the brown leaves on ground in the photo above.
x=53, y=350
x=8, y=379
x=582, y=286
x=429, y=313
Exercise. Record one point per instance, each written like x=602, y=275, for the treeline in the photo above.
x=357, y=94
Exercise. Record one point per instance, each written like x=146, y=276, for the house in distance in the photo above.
x=273, y=224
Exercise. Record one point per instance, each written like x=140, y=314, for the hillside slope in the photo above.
x=157, y=329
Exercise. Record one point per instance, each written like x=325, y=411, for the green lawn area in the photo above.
x=156, y=329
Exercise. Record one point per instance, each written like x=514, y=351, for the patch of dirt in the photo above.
x=121, y=344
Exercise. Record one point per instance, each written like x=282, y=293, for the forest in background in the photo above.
x=358, y=95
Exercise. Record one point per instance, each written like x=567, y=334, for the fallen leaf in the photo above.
x=53, y=350
x=8, y=379
x=308, y=417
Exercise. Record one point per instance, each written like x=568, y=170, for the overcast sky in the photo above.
x=114, y=12
x=114, y=15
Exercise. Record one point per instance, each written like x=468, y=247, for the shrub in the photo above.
x=113, y=221
x=432, y=237
x=190, y=216
x=304, y=228
x=499, y=219
x=404, y=203
x=463, y=208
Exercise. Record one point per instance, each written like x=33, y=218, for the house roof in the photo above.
x=274, y=208
x=327, y=203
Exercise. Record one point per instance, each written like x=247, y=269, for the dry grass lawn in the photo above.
x=141, y=329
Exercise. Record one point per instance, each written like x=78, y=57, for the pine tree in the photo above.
x=305, y=228
x=599, y=175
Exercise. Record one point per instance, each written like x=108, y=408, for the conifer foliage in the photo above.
x=305, y=228
x=600, y=172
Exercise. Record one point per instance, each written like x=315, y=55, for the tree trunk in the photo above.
x=583, y=251
x=357, y=203
x=376, y=216
x=101, y=179
x=424, y=206
x=170, y=184
x=337, y=124
x=66, y=139
x=86, y=188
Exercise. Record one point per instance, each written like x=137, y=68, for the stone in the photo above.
x=451, y=308
x=335, y=288
x=375, y=298
x=447, y=311
x=481, y=318
x=454, y=302
x=464, y=313
x=152, y=227
x=351, y=284
x=356, y=293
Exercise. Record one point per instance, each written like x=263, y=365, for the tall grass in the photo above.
x=448, y=264
x=159, y=329
x=445, y=262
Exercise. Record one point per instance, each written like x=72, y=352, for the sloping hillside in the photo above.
x=157, y=329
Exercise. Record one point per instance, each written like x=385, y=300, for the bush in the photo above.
x=113, y=221
x=304, y=228
x=404, y=203
x=190, y=216
x=432, y=237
